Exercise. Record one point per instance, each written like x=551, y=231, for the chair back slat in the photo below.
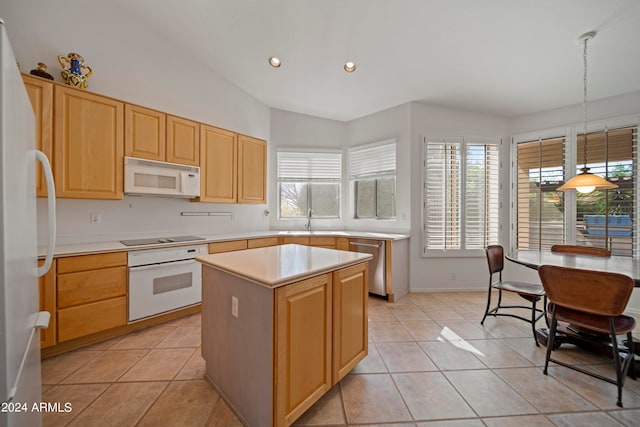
x=594, y=292
x=581, y=250
x=495, y=258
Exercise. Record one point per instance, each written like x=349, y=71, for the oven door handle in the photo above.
x=162, y=265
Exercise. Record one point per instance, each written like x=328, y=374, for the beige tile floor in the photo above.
x=430, y=363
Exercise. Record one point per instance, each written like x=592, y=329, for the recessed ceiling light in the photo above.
x=349, y=67
x=275, y=62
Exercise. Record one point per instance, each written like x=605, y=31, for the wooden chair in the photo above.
x=593, y=301
x=531, y=292
x=581, y=250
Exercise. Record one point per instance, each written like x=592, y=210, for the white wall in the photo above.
x=446, y=274
x=393, y=123
x=137, y=66
x=293, y=130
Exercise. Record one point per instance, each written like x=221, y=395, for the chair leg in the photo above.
x=488, y=306
x=550, y=339
x=632, y=355
x=616, y=360
x=533, y=321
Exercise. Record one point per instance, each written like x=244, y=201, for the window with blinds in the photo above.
x=461, y=197
x=309, y=180
x=372, y=169
x=606, y=218
x=540, y=208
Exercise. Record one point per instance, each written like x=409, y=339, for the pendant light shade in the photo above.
x=586, y=182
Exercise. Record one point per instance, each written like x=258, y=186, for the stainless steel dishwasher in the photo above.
x=376, y=265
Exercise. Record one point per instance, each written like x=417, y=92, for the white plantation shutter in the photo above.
x=372, y=160
x=481, y=198
x=309, y=166
x=461, y=194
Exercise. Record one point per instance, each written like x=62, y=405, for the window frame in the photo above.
x=373, y=174
x=309, y=181
x=573, y=160
x=463, y=141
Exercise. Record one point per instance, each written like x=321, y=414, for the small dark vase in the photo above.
x=41, y=71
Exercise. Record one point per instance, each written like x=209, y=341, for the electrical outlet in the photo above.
x=234, y=306
x=453, y=276
x=95, y=217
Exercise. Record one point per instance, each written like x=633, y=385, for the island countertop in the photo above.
x=276, y=266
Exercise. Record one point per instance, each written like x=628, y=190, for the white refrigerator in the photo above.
x=20, y=318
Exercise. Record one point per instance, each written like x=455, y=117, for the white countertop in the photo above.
x=276, y=266
x=116, y=246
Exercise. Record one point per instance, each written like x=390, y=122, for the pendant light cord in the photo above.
x=584, y=102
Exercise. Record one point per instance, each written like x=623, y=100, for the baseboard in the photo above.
x=448, y=289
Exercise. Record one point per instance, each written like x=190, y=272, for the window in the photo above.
x=373, y=173
x=540, y=170
x=461, y=197
x=309, y=180
x=602, y=218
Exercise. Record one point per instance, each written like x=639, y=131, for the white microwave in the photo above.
x=149, y=177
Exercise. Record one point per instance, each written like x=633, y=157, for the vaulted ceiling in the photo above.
x=504, y=57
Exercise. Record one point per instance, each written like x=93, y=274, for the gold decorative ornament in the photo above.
x=72, y=68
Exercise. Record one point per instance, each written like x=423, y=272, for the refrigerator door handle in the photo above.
x=51, y=205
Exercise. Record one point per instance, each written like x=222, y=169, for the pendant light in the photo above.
x=586, y=182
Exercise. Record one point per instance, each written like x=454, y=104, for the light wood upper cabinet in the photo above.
x=144, y=133
x=183, y=141
x=218, y=170
x=40, y=93
x=88, y=145
x=252, y=170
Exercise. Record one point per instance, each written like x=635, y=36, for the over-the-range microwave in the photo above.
x=149, y=177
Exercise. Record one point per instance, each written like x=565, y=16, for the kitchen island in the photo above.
x=281, y=325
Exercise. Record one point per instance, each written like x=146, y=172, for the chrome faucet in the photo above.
x=307, y=226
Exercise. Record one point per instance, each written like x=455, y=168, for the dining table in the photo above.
x=567, y=333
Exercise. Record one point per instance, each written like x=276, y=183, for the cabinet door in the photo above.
x=47, y=287
x=41, y=95
x=144, y=133
x=88, y=145
x=350, y=323
x=86, y=319
x=218, y=170
x=302, y=346
x=183, y=141
x=252, y=170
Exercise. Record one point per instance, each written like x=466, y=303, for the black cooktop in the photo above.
x=159, y=240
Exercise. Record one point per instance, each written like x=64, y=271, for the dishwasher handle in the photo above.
x=368, y=245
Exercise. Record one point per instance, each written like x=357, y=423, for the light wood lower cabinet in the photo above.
x=91, y=294
x=289, y=345
x=350, y=329
x=303, y=323
x=47, y=292
x=263, y=242
x=231, y=245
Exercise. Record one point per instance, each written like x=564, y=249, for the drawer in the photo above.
x=298, y=240
x=89, y=286
x=91, y=262
x=262, y=242
x=325, y=242
x=87, y=319
x=233, y=245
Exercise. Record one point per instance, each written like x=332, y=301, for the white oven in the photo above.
x=162, y=280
